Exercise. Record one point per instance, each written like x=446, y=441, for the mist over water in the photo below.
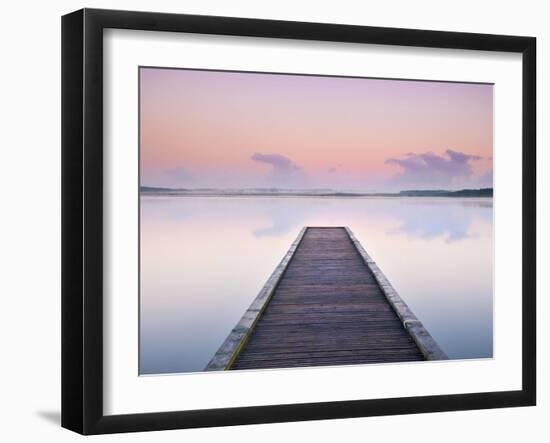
x=204, y=259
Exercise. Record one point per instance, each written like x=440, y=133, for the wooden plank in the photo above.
x=327, y=307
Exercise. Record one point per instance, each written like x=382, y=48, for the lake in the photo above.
x=204, y=259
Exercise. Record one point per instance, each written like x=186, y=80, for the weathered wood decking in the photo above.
x=327, y=303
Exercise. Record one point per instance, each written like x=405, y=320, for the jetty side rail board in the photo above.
x=425, y=342
x=237, y=338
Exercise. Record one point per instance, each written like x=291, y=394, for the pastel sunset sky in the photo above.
x=244, y=130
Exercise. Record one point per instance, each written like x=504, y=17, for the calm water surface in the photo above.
x=204, y=259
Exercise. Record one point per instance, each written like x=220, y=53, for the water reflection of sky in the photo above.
x=203, y=260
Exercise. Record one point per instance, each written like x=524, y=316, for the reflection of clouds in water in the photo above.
x=282, y=220
x=430, y=220
x=427, y=227
x=419, y=218
x=281, y=223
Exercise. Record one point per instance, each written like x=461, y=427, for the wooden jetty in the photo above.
x=326, y=303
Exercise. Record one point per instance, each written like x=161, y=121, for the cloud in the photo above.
x=279, y=162
x=429, y=169
x=284, y=172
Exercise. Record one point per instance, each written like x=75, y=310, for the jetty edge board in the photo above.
x=423, y=339
x=230, y=348
x=425, y=346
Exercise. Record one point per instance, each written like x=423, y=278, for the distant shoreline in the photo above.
x=156, y=191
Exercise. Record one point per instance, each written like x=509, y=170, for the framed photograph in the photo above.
x=269, y=221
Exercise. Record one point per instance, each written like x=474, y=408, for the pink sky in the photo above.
x=240, y=130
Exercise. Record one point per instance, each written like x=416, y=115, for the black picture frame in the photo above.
x=82, y=218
